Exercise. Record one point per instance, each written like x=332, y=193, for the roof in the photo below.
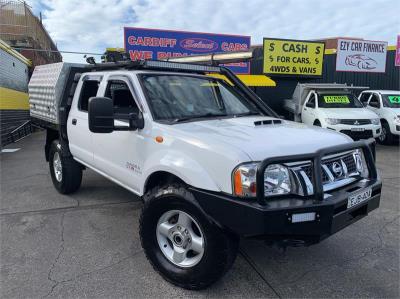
x=381, y=91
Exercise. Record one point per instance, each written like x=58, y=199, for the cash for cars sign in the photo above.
x=293, y=57
x=361, y=56
x=144, y=43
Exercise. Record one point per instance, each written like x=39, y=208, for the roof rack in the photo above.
x=214, y=58
x=155, y=65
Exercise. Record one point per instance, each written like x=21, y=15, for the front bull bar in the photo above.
x=367, y=146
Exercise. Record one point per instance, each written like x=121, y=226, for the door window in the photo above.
x=364, y=97
x=374, y=101
x=89, y=89
x=311, y=101
x=123, y=100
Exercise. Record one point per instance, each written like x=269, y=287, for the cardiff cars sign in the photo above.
x=144, y=43
x=361, y=56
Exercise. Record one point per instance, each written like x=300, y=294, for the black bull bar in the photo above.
x=367, y=146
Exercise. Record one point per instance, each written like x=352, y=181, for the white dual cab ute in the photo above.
x=210, y=160
x=333, y=106
x=386, y=104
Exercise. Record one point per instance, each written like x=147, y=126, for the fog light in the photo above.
x=303, y=217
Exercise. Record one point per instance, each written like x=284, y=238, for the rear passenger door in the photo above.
x=79, y=135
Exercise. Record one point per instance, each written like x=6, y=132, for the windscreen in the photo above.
x=391, y=100
x=347, y=100
x=174, y=97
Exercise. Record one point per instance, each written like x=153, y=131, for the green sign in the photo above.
x=394, y=99
x=337, y=99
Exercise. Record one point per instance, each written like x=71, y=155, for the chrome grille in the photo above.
x=350, y=164
x=341, y=168
x=355, y=122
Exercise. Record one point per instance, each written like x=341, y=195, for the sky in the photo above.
x=92, y=26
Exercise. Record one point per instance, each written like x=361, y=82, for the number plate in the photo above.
x=358, y=198
x=358, y=129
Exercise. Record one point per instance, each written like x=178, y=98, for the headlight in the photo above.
x=276, y=180
x=332, y=121
x=375, y=121
x=361, y=164
x=397, y=119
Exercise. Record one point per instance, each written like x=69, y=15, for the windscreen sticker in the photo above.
x=394, y=99
x=337, y=99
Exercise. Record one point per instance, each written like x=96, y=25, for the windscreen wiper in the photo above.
x=182, y=119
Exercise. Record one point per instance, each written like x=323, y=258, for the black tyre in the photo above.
x=386, y=137
x=66, y=173
x=317, y=123
x=180, y=242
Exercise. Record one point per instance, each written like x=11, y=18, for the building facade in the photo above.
x=14, y=104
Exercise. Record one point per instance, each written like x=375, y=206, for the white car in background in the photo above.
x=386, y=104
x=333, y=106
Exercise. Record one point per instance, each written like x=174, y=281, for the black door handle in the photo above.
x=74, y=121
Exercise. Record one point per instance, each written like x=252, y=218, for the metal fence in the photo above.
x=19, y=27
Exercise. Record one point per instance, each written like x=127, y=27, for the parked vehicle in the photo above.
x=333, y=106
x=209, y=159
x=386, y=104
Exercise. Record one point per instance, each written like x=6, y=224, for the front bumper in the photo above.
x=358, y=132
x=272, y=218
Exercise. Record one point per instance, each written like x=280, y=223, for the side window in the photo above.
x=89, y=89
x=122, y=97
x=364, y=97
x=374, y=101
x=311, y=101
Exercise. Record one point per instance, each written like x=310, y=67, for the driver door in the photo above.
x=308, y=114
x=119, y=154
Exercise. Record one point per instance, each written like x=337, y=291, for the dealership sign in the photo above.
x=361, y=56
x=142, y=43
x=293, y=57
x=397, y=59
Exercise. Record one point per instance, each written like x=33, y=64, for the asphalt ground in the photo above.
x=87, y=244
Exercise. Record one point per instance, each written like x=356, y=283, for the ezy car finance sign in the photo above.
x=361, y=56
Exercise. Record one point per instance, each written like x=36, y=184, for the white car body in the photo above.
x=206, y=149
x=388, y=114
x=352, y=116
x=210, y=160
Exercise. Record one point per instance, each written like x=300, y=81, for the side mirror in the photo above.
x=101, y=115
x=136, y=120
